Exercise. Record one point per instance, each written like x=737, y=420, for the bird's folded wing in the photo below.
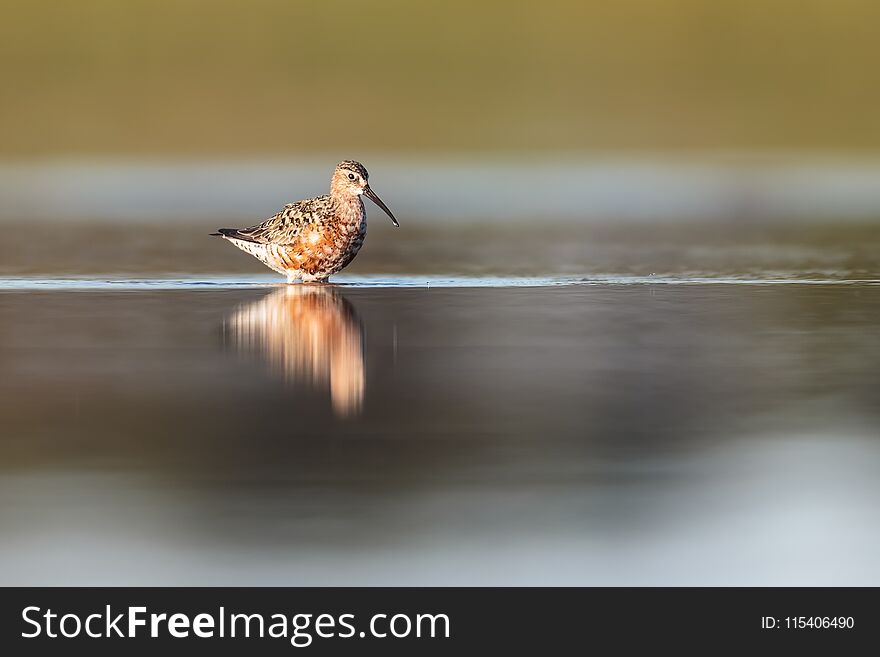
x=278, y=229
x=281, y=228
x=264, y=233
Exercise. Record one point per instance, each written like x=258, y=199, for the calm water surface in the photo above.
x=610, y=433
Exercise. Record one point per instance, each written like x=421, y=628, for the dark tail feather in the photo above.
x=227, y=232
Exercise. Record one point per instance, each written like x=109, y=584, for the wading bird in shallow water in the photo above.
x=312, y=239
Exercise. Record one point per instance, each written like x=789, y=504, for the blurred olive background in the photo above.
x=597, y=117
x=281, y=77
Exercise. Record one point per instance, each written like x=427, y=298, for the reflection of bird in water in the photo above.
x=307, y=333
x=312, y=239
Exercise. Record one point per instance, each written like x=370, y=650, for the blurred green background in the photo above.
x=617, y=127
x=226, y=77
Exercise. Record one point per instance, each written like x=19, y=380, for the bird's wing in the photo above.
x=282, y=227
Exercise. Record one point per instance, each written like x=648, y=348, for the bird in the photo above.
x=311, y=240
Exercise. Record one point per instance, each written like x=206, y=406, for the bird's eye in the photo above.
x=351, y=176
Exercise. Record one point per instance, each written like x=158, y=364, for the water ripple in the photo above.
x=23, y=283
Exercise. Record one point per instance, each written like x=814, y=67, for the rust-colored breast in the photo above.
x=323, y=249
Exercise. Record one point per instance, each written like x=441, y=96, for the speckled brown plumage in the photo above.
x=312, y=239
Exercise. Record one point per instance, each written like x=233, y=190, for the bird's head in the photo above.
x=351, y=179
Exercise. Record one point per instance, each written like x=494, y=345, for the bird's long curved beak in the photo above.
x=370, y=194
